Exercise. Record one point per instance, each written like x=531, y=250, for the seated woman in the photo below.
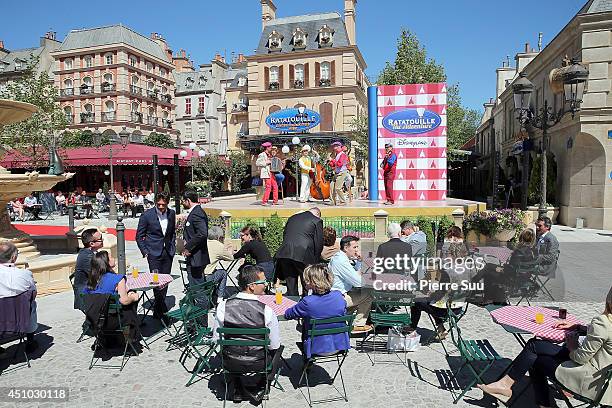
x=103, y=280
x=497, y=279
x=321, y=303
x=581, y=368
x=253, y=246
x=330, y=244
x=18, y=209
x=218, y=251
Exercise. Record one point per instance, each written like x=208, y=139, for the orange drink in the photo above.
x=279, y=297
x=155, y=278
x=539, y=318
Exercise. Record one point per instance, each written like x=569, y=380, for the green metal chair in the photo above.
x=472, y=352
x=452, y=297
x=384, y=314
x=183, y=269
x=187, y=314
x=226, y=339
x=320, y=327
x=584, y=401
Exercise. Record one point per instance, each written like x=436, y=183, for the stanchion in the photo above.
x=120, y=245
x=71, y=219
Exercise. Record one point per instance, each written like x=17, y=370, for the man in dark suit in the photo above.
x=156, y=239
x=394, y=247
x=195, y=235
x=92, y=241
x=302, y=246
x=547, y=247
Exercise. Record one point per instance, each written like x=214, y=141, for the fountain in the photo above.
x=13, y=186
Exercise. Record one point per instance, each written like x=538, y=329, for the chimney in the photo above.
x=241, y=58
x=268, y=12
x=161, y=41
x=540, y=34
x=527, y=48
x=349, y=20
x=181, y=62
x=1, y=44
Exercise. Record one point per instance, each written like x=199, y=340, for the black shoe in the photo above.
x=31, y=346
x=2, y=350
x=237, y=398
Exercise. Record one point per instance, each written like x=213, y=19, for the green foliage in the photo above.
x=213, y=170
x=34, y=136
x=105, y=187
x=359, y=133
x=159, y=140
x=239, y=162
x=273, y=236
x=411, y=66
x=533, y=191
x=167, y=187
x=80, y=138
x=491, y=222
x=201, y=187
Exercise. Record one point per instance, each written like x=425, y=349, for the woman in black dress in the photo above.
x=253, y=246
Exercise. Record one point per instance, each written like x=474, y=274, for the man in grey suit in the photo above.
x=547, y=247
x=418, y=242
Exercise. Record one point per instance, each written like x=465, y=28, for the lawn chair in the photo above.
x=320, y=327
x=260, y=338
x=183, y=269
x=471, y=353
x=383, y=306
x=592, y=403
x=108, y=323
x=15, y=321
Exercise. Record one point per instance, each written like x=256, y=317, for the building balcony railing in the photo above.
x=67, y=92
x=298, y=84
x=240, y=107
x=136, y=117
x=274, y=86
x=69, y=118
x=152, y=94
x=166, y=123
x=88, y=117
x=108, y=87
x=324, y=83
x=109, y=116
x=86, y=89
x=166, y=98
x=152, y=120
x=136, y=90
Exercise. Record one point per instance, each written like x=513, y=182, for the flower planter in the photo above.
x=504, y=235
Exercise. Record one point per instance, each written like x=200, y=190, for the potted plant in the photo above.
x=501, y=225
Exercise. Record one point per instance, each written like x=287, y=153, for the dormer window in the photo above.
x=274, y=41
x=326, y=36
x=18, y=64
x=201, y=81
x=189, y=82
x=241, y=81
x=299, y=39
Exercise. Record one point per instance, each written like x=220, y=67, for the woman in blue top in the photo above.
x=103, y=280
x=321, y=303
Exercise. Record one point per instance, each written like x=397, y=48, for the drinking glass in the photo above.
x=134, y=272
x=539, y=318
x=562, y=314
x=279, y=296
x=155, y=276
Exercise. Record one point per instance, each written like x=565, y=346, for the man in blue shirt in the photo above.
x=345, y=266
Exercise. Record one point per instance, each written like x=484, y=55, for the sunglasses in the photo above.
x=260, y=282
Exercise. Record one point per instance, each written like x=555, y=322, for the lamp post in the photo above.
x=574, y=79
x=296, y=141
x=184, y=154
x=124, y=136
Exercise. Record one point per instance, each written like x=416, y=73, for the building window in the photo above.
x=164, y=90
x=133, y=61
x=189, y=82
x=274, y=78
x=87, y=86
x=88, y=61
x=326, y=36
x=299, y=39
x=68, y=63
x=325, y=74
x=18, y=64
x=108, y=78
x=150, y=86
x=188, y=106
x=162, y=72
x=298, y=82
x=187, y=130
x=274, y=41
x=110, y=106
x=135, y=107
x=201, y=130
x=135, y=80
x=68, y=88
x=108, y=59
x=201, y=80
x=149, y=67
x=201, y=107
x=271, y=110
x=241, y=81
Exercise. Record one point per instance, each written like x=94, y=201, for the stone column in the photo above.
x=458, y=217
x=227, y=217
x=380, y=225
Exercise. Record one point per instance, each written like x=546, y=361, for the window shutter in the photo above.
x=327, y=119
x=306, y=76
x=317, y=73
x=280, y=77
x=266, y=78
x=291, y=75
x=332, y=75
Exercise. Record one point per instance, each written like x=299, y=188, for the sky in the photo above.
x=470, y=38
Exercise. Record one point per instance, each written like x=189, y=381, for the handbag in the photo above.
x=396, y=341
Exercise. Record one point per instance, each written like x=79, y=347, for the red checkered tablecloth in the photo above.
x=501, y=253
x=144, y=280
x=523, y=317
x=279, y=310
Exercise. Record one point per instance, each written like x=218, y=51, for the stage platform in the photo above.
x=248, y=207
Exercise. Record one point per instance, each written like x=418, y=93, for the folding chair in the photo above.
x=452, y=297
x=322, y=327
x=383, y=305
x=188, y=311
x=183, y=269
x=471, y=353
x=530, y=283
x=260, y=338
x=592, y=403
x=86, y=326
x=111, y=310
x=16, y=321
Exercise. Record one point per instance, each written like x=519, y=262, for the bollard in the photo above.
x=380, y=225
x=120, y=245
x=71, y=219
x=226, y=224
x=458, y=217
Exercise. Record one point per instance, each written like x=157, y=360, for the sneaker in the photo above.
x=361, y=329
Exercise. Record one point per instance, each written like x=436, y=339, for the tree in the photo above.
x=359, y=130
x=79, y=138
x=411, y=66
x=159, y=140
x=239, y=162
x=166, y=187
x=533, y=190
x=34, y=136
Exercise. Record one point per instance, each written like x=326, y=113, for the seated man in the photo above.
x=14, y=281
x=547, y=248
x=345, y=266
x=31, y=206
x=137, y=204
x=218, y=251
x=245, y=311
x=86, y=204
x=92, y=241
x=60, y=199
x=393, y=248
x=417, y=240
x=101, y=200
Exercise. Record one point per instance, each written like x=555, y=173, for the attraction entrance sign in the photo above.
x=412, y=118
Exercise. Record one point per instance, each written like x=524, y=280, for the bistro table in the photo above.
x=503, y=254
x=144, y=283
x=287, y=303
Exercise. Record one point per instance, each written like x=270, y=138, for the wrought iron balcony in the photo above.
x=152, y=120
x=88, y=117
x=167, y=123
x=136, y=117
x=324, y=83
x=109, y=116
x=152, y=94
x=136, y=90
x=166, y=98
x=86, y=89
x=67, y=92
x=274, y=86
x=298, y=84
x=69, y=118
x=108, y=87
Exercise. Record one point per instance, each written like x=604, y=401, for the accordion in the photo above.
x=276, y=165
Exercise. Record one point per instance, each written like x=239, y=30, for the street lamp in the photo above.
x=296, y=141
x=574, y=79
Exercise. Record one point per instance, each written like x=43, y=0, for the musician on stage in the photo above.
x=339, y=164
x=276, y=166
x=264, y=162
x=306, y=166
x=388, y=165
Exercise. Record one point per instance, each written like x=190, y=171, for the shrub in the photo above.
x=491, y=222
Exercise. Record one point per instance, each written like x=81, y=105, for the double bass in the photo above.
x=320, y=186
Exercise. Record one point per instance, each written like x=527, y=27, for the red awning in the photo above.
x=132, y=155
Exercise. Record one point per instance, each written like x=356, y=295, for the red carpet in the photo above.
x=130, y=234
